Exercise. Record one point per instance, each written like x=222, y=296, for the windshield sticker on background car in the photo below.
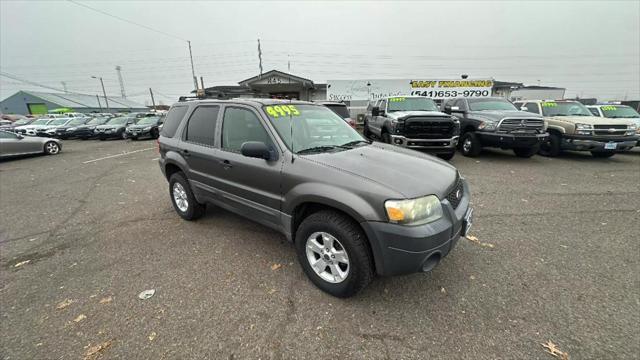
x=609, y=108
x=282, y=110
x=397, y=99
x=548, y=104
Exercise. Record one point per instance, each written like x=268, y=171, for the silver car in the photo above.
x=12, y=144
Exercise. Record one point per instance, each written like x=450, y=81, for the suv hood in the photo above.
x=498, y=115
x=408, y=172
x=593, y=120
x=403, y=114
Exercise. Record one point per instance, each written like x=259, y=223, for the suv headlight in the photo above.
x=414, y=211
x=584, y=129
x=487, y=125
x=632, y=129
x=147, y=128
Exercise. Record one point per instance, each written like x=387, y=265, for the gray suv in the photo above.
x=352, y=208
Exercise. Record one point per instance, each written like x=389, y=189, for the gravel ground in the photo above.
x=557, y=260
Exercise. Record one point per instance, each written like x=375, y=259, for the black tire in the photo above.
x=473, y=148
x=386, y=137
x=102, y=138
x=602, y=154
x=352, y=240
x=446, y=156
x=84, y=138
x=551, y=147
x=365, y=131
x=123, y=135
x=194, y=209
x=155, y=134
x=526, y=152
x=52, y=148
x=134, y=138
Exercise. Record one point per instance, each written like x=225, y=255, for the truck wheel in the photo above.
x=470, y=144
x=182, y=198
x=602, y=154
x=366, y=132
x=526, y=152
x=551, y=147
x=333, y=253
x=446, y=156
x=386, y=138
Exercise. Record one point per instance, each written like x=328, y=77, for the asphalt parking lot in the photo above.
x=83, y=233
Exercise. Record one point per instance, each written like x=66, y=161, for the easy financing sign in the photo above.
x=339, y=90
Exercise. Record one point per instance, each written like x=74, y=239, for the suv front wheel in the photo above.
x=332, y=250
x=470, y=144
x=182, y=198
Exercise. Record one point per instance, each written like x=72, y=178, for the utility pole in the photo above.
x=152, y=99
x=259, y=59
x=193, y=70
x=99, y=105
x=103, y=91
x=64, y=86
x=118, y=68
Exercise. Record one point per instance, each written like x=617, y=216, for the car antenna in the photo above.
x=291, y=131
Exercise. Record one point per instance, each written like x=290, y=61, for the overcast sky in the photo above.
x=591, y=48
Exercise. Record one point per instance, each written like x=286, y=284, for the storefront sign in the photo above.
x=339, y=90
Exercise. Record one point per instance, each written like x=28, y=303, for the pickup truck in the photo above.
x=572, y=126
x=413, y=122
x=495, y=122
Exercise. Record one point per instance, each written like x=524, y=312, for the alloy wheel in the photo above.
x=52, y=148
x=327, y=257
x=180, y=197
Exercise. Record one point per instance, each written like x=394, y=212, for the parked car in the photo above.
x=617, y=112
x=146, y=126
x=5, y=122
x=340, y=109
x=87, y=130
x=414, y=122
x=12, y=144
x=32, y=128
x=495, y=122
x=15, y=124
x=351, y=207
x=571, y=126
x=114, y=128
x=68, y=129
x=49, y=129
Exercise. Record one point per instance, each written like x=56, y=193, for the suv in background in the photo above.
x=571, y=126
x=341, y=109
x=495, y=122
x=352, y=208
x=615, y=111
x=414, y=122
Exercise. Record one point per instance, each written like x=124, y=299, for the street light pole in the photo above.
x=103, y=92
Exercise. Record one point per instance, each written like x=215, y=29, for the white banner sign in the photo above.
x=339, y=90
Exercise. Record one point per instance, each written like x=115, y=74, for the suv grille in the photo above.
x=525, y=125
x=615, y=130
x=455, y=196
x=428, y=128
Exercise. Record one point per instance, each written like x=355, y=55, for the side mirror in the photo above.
x=523, y=108
x=375, y=111
x=256, y=149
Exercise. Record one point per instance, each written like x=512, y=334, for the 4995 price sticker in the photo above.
x=444, y=94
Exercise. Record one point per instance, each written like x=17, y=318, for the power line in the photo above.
x=126, y=20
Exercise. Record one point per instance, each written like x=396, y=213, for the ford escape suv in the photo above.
x=352, y=208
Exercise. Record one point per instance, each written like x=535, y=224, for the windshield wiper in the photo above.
x=356, y=142
x=318, y=149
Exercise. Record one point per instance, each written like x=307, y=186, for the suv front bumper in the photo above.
x=598, y=143
x=510, y=141
x=434, y=145
x=399, y=249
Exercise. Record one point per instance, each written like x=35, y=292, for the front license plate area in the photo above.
x=610, y=146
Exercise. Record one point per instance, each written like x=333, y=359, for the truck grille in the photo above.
x=526, y=125
x=458, y=189
x=610, y=130
x=428, y=128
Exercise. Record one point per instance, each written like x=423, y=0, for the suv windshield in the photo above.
x=490, y=104
x=565, y=108
x=619, y=111
x=314, y=128
x=147, y=121
x=118, y=121
x=411, y=104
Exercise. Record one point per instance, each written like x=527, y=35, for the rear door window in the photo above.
x=201, y=127
x=174, y=117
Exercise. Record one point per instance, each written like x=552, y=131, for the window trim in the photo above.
x=261, y=120
x=185, y=129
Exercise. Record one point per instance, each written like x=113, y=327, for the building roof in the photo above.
x=506, y=84
x=275, y=72
x=85, y=101
x=537, y=87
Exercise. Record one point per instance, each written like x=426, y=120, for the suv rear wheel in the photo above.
x=470, y=145
x=333, y=253
x=182, y=198
x=551, y=147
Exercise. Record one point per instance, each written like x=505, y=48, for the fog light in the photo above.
x=398, y=141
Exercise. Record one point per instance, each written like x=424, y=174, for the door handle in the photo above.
x=226, y=164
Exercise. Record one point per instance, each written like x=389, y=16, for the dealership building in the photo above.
x=36, y=102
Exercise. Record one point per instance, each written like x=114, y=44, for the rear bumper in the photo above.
x=434, y=145
x=511, y=141
x=399, y=249
x=599, y=143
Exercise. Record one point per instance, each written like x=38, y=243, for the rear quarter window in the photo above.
x=172, y=121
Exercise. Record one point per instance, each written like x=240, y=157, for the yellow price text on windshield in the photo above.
x=282, y=110
x=397, y=99
x=609, y=108
x=548, y=104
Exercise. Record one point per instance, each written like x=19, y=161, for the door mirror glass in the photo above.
x=375, y=111
x=255, y=149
